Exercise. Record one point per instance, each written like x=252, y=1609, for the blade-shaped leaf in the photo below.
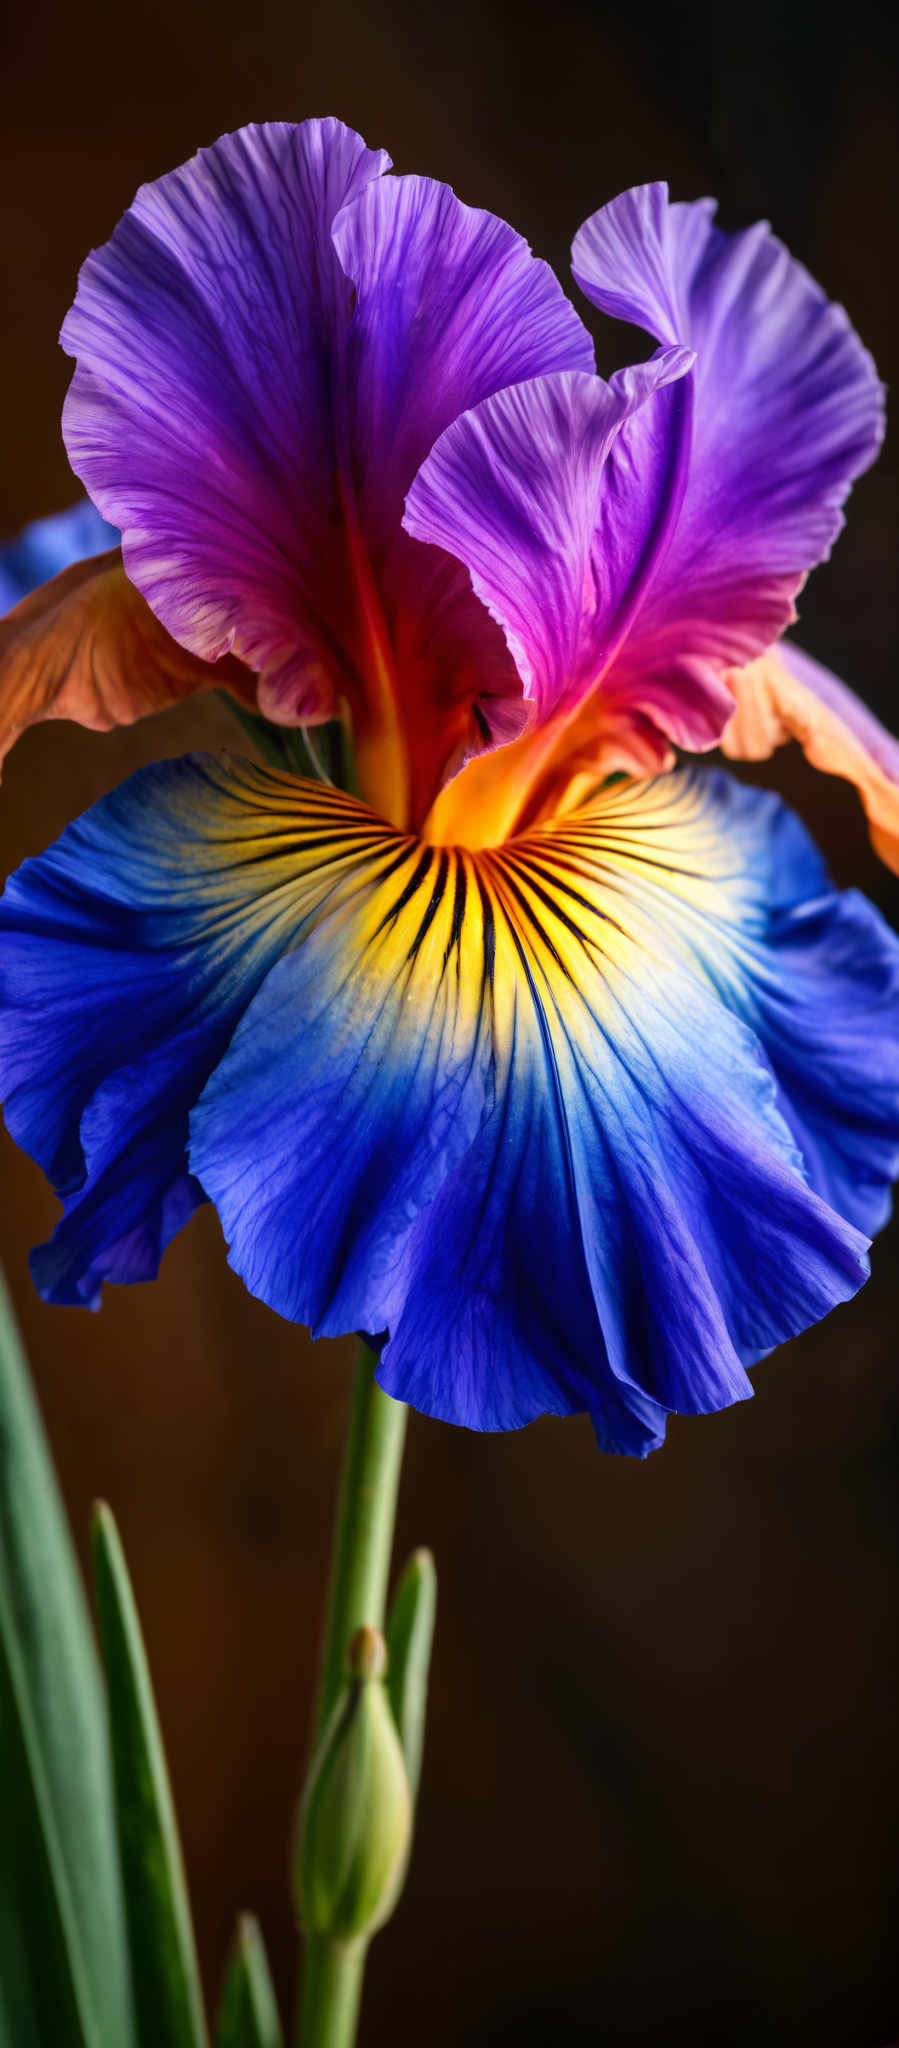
x=167, y=1995
x=63, y=1952
x=410, y=1633
x=248, y=2014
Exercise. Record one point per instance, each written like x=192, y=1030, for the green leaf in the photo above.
x=248, y=2015
x=167, y=1994
x=410, y=1633
x=63, y=1953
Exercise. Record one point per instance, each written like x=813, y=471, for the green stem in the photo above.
x=363, y=1541
x=363, y=1528
x=332, y=1989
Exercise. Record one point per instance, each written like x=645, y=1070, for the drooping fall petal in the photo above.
x=86, y=646
x=540, y=1112
x=789, y=696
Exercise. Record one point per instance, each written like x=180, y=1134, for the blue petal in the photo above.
x=535, y=1110
x=818, y=981
x=569, y=1118
x=45, y=547
x=349, y=1099
x=129, y=950
x=630, y=1234
x=840, y=1102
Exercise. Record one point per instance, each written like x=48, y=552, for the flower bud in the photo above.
x=410, y=1633
x=356, y=1816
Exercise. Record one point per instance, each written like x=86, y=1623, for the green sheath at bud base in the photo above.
x=356, y=1816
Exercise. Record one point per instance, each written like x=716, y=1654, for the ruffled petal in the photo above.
x=48, y=545
x=558, y=495
x=536, y=1112
x=567, y=1119
x=199, y=412
x=127, y=952
x=787, y=411
x=788, y=696
x=816, y=977
x=267, y=348
x=86, y=646
x=450, y=306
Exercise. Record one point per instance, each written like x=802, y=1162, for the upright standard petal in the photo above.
x=537, y=1111
x=267, y=348
x=560, y=495
x=199, y=412
x=789, y=696
x=787, y=412
x=558, y=539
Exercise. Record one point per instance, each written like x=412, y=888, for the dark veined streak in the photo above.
x=504, y=1103
x=581, y=886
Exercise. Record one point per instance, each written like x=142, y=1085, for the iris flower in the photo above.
x=561, y=1070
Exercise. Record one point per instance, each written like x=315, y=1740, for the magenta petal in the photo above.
x=788, y=410
x=650, y=535
x=558, y=495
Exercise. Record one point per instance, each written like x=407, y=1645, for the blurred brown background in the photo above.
x=659, y=1800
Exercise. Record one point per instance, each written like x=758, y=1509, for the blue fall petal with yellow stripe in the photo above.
x=588, y=1120
x=128, y=951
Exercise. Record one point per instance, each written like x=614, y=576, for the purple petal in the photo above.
x=451, y=307
x=788, y=410
x=559, y=495
x=267, y=348
x=199, y=413
x=650, y=534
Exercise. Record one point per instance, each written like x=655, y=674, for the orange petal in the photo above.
x=546, y=772
x=788, y=696
x=86, y=646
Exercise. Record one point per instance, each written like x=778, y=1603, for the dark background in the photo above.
x=659, y=1801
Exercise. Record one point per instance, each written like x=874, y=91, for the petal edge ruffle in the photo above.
x=516, y=1108
x=572, y=1118
x=788, y=411
x=789, y=696
x=267, y=347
